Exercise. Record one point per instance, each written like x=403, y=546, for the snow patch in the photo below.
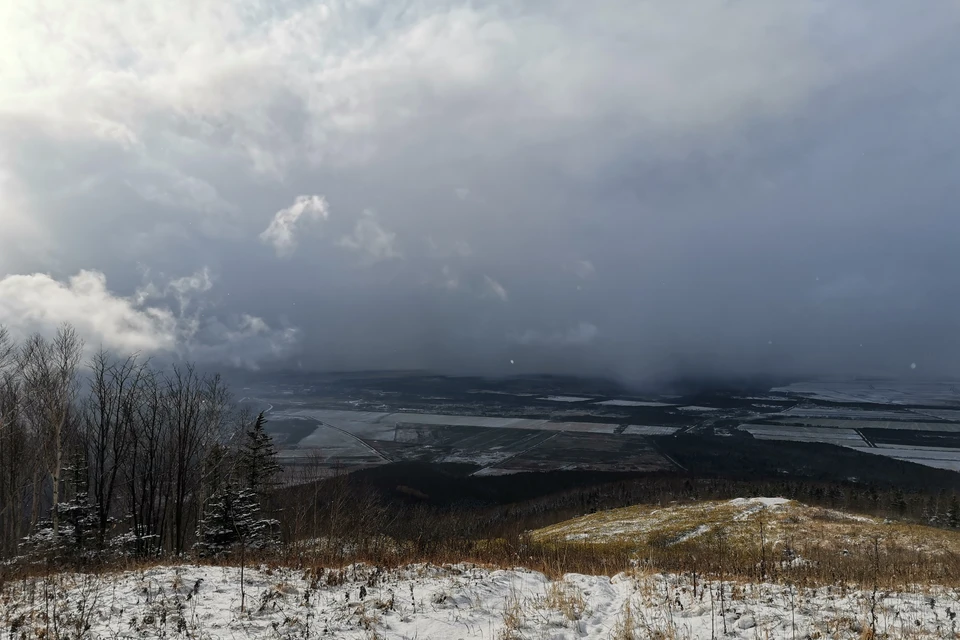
x=766, y=502
x=454, y=601
x=633, y=403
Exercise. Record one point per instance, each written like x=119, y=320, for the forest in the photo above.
x=111, y=455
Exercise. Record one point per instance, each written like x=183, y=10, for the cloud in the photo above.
x=689, y=172
x=247, y=342
x=371, y=240
x=281, y=233
x=582, y=334
x=40, y=303
x=37, y=302
x=174, y=190
x=495, y=289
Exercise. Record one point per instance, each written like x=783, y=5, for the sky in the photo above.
x=635, y=188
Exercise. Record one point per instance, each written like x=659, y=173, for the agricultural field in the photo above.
x=542, y=424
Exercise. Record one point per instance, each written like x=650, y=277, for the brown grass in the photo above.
x=567, y=599
x=801, y=546
x=513, y=615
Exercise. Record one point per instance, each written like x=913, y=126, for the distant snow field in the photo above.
x=649, y=430
x=451, y=602
x=632, y=403
x=564, y=399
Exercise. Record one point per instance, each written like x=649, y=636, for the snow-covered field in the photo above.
x=564, y=399
x=461, y=601
x=632, y=403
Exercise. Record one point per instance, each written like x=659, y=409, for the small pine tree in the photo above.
x=953, y=513
x=233, y=518
x=835, y=496
x=78, y=512
x=931, y=511
x=234, y=515
x=258, y=459
x=900, y=502
x=77, y=519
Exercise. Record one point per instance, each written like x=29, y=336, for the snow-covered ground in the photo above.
x=564, y=399
x=453, y=602
x=632, y=403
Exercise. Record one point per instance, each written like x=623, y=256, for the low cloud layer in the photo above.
x=38, y=303
x=171, y=319
x=645, y=189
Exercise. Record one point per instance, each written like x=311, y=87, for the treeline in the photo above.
x=114, y=454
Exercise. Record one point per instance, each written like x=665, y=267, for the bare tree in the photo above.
x=197, y=408
x=110, y=411
x=138, y=445
x=49, y=371
x=14, y=446
x=149, y=472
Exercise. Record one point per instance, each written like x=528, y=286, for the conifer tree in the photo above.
x=258, y=459
x=76, y=517
x=953, y=513
x=234, y=515
x=233, y=518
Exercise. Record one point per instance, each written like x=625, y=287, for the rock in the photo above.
x=746, y=622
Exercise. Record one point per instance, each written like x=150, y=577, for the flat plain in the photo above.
x=353, y=421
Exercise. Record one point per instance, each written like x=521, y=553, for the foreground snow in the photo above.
x=453, y=602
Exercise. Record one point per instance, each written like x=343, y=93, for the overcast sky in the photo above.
x=641, y=188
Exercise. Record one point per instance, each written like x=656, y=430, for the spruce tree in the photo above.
x=77, y=518
x=953, y=513
x=234, y=515
x=258, y=460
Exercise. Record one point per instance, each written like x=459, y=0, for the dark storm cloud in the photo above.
x=642, y=189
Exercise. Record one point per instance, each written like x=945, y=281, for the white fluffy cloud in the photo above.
x=38, y=302
x=143, y=322
x=281, y=233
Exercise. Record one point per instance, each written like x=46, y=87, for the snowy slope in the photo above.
x=452, y=602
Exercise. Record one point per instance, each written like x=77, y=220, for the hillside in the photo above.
x=784, y=524
x=768, y=538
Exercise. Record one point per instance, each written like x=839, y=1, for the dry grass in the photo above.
x=567, y=599
x=793, y=544
x=513, y=617
x=741, y=521
x=627, y=627
x=790, y=542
